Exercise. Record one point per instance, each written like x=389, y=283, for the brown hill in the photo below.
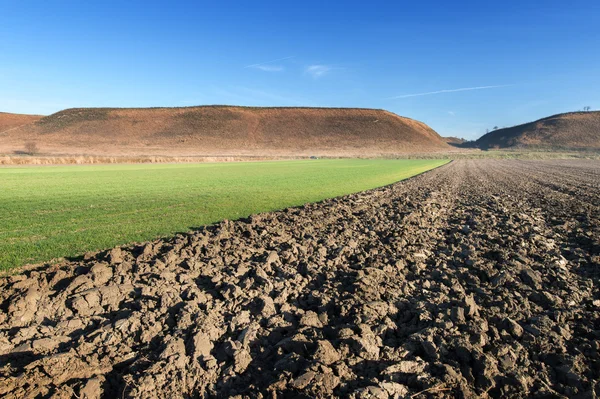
x=225, y=130
x=455, y=141
x=574, y=130
x=11, y=121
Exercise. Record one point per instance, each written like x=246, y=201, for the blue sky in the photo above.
x=512, y=61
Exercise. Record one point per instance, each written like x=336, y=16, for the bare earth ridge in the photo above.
x=10, y=121
x=225, y=131
x=477, y=279
x=574, y=130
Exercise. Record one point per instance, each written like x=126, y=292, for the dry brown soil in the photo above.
x=477, y=279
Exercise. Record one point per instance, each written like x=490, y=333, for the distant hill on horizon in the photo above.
x=571, y=130
x=11, y=121
x=454, y=141
x=224, y=130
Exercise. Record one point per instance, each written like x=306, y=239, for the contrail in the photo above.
x=268, y=62
x=446, y=91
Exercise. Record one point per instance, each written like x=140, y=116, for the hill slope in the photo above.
x=11, y=121
x=225, y=130
x=571, y=130
x=454, y=141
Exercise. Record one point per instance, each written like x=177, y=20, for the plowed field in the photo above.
x=476, y=279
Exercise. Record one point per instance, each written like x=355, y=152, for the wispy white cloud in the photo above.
x=269, y=68
x=263, y=65
x=447, y=91
x=451, y=113
x=316, y=71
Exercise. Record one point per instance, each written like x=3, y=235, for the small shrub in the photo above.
x=31, y=148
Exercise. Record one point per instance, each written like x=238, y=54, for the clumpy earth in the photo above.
x=477, y=279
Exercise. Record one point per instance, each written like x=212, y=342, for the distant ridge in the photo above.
x=573, y=130
x=225, y=130
x=11, y=121
x=456, y=141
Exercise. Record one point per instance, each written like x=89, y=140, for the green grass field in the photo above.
x=62, y=211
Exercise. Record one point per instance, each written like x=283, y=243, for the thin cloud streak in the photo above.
x=270, y=68
x=268, y=62
x=447, y=91
x=316, y=71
